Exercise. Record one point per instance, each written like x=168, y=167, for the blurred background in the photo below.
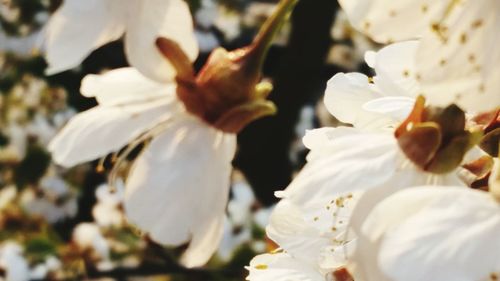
x=65, y=224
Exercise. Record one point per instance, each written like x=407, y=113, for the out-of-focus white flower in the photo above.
x=13, y=263
x=206, y=40
x=306, y=121
x=238, y=222
x=41, y=270
x=107, y=211
x=54, y=200
x=430, y=233
x=233, y=237
x=206, y=14
x=239, y=207
x=348, y=56
x=7, y=196
x=19, y=45
x=229, y=23
x=16, y=149
x=456, y=60
x=177, y=188
x=88, y=236
x=77, y=28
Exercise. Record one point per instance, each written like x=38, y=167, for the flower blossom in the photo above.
x=456, y=60
x=177, y=188
x=430, y=233
x=77, y=28
x=388, y=150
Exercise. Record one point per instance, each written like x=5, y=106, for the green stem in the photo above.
x=262, y=42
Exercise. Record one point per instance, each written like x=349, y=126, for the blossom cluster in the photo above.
x=400, y=182
x=409, y=191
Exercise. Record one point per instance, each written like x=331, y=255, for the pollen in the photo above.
x=482, y=88
x=424, y=8
x=472, y=58
x=463, y=38
x=261, y=266
x=406, y=73
x=392, y=13
x=442, y=62
x=366, y=25
x=477, y=24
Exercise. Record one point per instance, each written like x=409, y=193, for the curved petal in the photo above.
x=430, y=229
x=461, y=65
x=353, y=162
x=77, y=28
x=178, y=187
x=281, y=267
x=153, y=19
x=388, y=21
x=124, y=85
x=346, y=93
x=316, y=139
x=102, y=130
x=288, y=228
x=395, y=69
x=398, y=108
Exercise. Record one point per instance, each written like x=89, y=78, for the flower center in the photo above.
x=435, y=139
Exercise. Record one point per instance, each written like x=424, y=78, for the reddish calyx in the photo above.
x=436, y=139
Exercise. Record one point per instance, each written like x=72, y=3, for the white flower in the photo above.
x=382, y=101
x=456, y=60
x=79, y=27
x=13, y=263
x=178, y=186
x=7, y=196
x=107, y=212
x=88, y=236
x=317, y=238
x=232, y=239
x=431, y=233
x=54, y=200
x=41, y=270
x=344, y=160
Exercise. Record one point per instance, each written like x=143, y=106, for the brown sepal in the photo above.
x=342, y=274
x=421, y=143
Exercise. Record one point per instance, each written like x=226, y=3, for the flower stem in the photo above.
x=270, y=28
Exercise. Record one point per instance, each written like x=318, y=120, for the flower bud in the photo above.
x=228, y=93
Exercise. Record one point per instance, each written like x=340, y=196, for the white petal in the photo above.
x=346, y=93
x=353, y=162
x=464, y=68
x=102, y=130
x=77, y=28
x=441, y=233
x=124, y=85
x=178, y=187
x=389, y=21
x=395, y=69
x=281, y=267
x=398, y=108
x=288, y=228
x=150, y=20
x=322, y=137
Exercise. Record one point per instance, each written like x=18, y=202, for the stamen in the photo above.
x=120, y=159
